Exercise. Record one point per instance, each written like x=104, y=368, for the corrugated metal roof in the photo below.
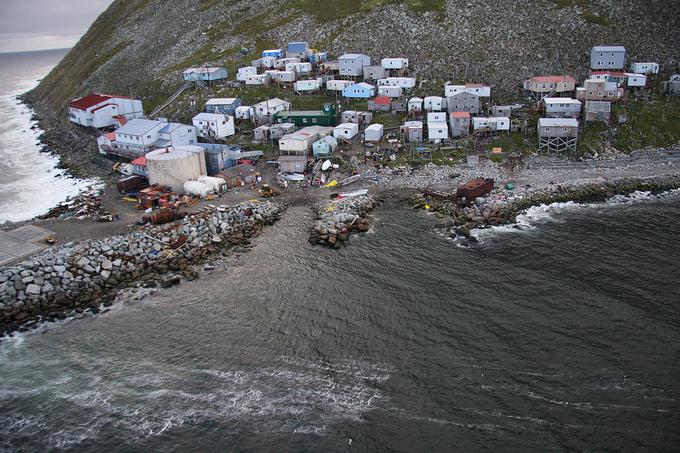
x=221, y=101
x=138, y=126
x=561, y=101
x=88, y=101
x=552, y=79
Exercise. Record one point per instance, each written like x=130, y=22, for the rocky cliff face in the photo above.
x=141, y=46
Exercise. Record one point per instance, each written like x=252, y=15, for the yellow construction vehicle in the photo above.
x=267, y=191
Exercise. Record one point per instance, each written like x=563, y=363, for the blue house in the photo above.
x=360, y=90
x=274, y=53
x=225, y=106
x=205, y=74
x=319, y=57
x=297, y=50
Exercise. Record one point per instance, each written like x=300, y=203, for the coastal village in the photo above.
x=374, y=115
x=186, y=192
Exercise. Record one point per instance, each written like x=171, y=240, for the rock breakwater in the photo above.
x=81, y=277
x=338, y=218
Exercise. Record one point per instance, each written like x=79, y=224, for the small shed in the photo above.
x=399, y=105
x=346, y=131
x=292, y=164
x=374, y=133
x=358, y=117
x=645, y=68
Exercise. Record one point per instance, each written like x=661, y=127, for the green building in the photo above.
x=301, y=118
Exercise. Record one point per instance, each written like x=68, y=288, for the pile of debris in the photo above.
x=339, y=217
x=85, y=205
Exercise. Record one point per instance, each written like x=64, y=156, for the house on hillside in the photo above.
x=226, y=106
x=482, y=91
x=205, y=74
x=433, y=103
x=360, y=90
x=264, y=110
x=399, y=105
x=244, y=72
x=346, y=131
x=373, y=72
x=140, y=136
x=323, y=117
x=557, y=134
x=357, y=117
x=561, y=107
x=257, y=79
x=491, y=124
x=374, y=133
x=300, y=68
x=390, y=91
x=214, y=125
x=278, y=130
x=437, y=131
x=307, y=86
x=412, y=131
x=330, y=66
x=608, y=57
x=464, y=102
x=550, y=85
x=338, y=85
x=672, y=86
x=297, y=50
x=645, y=68
x=459, y=122
x=244, y=112
x=352, y=64
x=273, y=53
x=324, y=147
x=394, y=63
x=635, y=80
x=597, y=111
x=599, y=90
x=102, y=110
x=415, y=105
x=379, y=104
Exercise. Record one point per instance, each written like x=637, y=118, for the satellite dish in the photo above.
x=326, y=165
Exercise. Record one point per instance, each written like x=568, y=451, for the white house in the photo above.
x=243, y=112
x=282, y=62
x=346, y=131
x=436, y=117
x=406, y=83
x=285, y=76
x=204, y=74
x=636, y=80
x=139, y=136
x=491, y=124
x=433, y=103
x=98, y=110
x=389, y=91
x=415, y=104
x=264, y=62
x=437, y=131
x=244, y=72
x=352, y=64
x=307, y=85
x=374, y=133
x=338, y=85
x=412, y=131
x=483, y=91
x=645, y=68
x=394, y=63
x=214, y=125
x=301, y=68
x=562, y=107
x=257, y=79
x=267, y=108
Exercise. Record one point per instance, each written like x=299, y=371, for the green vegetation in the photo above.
x=330, y=11
x=654, y=123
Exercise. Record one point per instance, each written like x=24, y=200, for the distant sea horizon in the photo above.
x=30, y=181
x=16, y=52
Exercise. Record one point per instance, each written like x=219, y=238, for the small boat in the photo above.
x=326, y=165
x=353, y=193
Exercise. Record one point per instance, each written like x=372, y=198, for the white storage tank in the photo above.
x=174, y=165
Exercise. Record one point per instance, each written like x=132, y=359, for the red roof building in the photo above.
x=460, y=114
x=383, y=100
x=89, y=101
x=141, y=161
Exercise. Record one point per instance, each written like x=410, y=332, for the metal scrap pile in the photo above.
x=86, y=205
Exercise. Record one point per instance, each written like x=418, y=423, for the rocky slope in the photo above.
x=141, y=46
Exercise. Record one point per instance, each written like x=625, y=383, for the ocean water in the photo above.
x=30, y=183
x=562, y=335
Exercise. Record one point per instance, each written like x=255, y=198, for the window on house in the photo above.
x=564, y=129
x=547, y=129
